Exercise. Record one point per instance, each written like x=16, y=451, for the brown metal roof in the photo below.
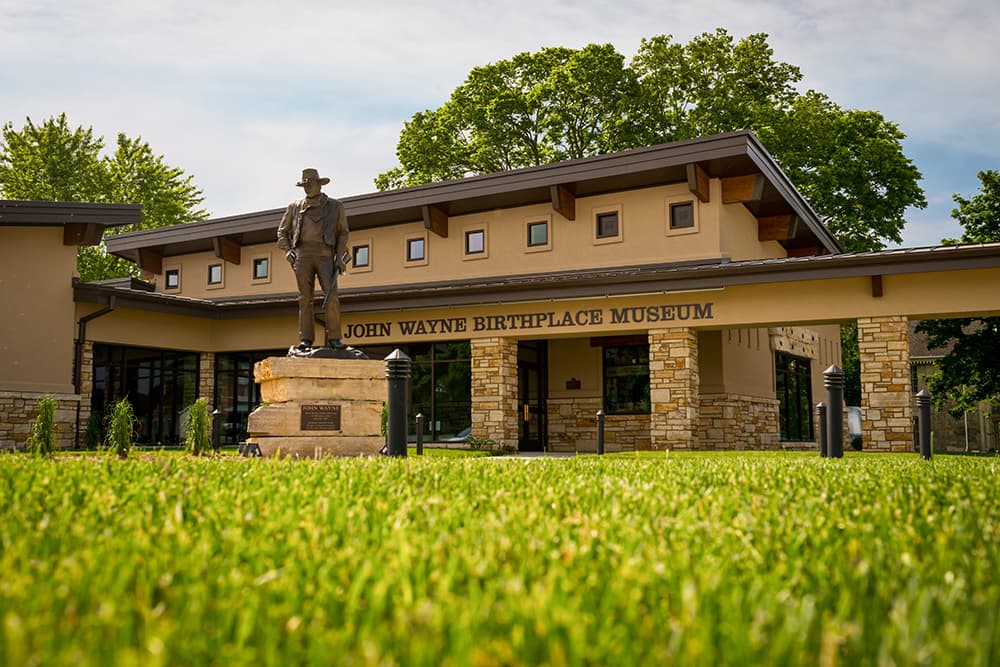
x=571, y=284
x=14, y=213
x=723, y=155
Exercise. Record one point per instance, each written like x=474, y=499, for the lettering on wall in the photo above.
x=627, y=316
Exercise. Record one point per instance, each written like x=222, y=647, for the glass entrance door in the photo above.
x=532, y=388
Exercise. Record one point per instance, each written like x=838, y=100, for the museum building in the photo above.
x=686, y=289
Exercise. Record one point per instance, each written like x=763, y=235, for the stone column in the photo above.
x=886, y=401
x=86, y=388
x=494, y=390
x=673, y=388
x=206, y=378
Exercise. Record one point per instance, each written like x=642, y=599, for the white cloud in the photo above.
x=244, y=94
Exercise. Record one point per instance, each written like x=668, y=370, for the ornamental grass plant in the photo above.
x=120, y=434
x=41, y=442
x=198, y=435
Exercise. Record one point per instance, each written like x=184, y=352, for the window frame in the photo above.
x=538, y=247
x=221, y=282
x=596, y=215
x=254, y=260
x=176, y=270
x=407, y=245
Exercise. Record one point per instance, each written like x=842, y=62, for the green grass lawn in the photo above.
x=749, y=558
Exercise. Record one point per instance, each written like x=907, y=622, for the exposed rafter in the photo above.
x=742, y=189
x=435, y=219
x=150, y=260
x=227, y=249
x=698, y=180
x=82, y=233
x=877, y=288
x=777, y=228
x=563, y=201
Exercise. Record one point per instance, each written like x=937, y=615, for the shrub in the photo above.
x=92, y=436
x=42, y=438
x=198, y=437
x=120, y=435
x=477, y=443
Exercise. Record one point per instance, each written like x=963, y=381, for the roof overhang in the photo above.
x=674, y=277
x=83, y=224
x=735, y=156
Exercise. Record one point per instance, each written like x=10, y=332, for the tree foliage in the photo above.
x=560, y=103
x=52, y=161
x=970, y=372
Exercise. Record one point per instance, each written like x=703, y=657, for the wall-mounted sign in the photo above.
x=585, y=318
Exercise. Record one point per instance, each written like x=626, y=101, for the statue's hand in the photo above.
x=341, y=266
x=291, y=257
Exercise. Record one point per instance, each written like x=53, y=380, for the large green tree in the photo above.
x=52, y=161
x=561, y=103
x=970, y=371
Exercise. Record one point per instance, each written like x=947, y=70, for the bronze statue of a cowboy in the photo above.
x=313, y=233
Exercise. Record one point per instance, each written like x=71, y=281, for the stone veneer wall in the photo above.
x=734, y=421
x=673, y=388
x=886, y=397
x=206, y=378
x=18, y=410
x=573, y=427
x=494, y=390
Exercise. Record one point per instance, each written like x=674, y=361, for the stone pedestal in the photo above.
x=313, y=408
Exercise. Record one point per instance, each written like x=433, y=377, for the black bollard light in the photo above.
x=924, y=423
x=833, y=380
x=824, y=448
x=420, y=434
x=600, y=431
x=397, y=370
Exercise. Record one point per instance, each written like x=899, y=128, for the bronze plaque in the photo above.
x=320, y=418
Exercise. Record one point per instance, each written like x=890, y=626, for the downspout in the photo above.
x=81, y=336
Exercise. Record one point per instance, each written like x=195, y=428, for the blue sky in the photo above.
x=244, y=94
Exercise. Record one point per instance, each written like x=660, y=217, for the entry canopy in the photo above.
x=749, y=177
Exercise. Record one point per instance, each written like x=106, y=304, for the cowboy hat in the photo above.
x=311, y=175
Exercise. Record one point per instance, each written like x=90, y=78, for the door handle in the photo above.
x=527, y=412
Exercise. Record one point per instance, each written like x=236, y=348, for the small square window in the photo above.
x=414, y=250
x=538, y=234
x=360, y=256
x=260, y=268
x=215, y=274
x=475, y=242
x=172, y=279
x=607, y=225
x=682, y=215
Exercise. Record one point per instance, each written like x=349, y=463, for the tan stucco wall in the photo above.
x=645, y=239
x=145, y=329
x=36, y=330
x=575, y=358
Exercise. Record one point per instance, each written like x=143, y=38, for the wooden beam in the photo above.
x=698, y=182
x=82, y=233
x=742, y=189
x=150, y=260
x=435, y=219
x=227, y=249
x=877, y=289
x=777, y=227
x=803, y=251
x=563, y=201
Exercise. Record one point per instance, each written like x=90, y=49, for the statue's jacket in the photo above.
x=334, y=225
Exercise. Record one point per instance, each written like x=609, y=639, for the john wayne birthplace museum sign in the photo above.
x=556, y=320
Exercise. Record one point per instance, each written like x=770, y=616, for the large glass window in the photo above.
x=626, y=379
x=793, y=383
x=160, y=384
x=440, y=388
x=236, y=393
